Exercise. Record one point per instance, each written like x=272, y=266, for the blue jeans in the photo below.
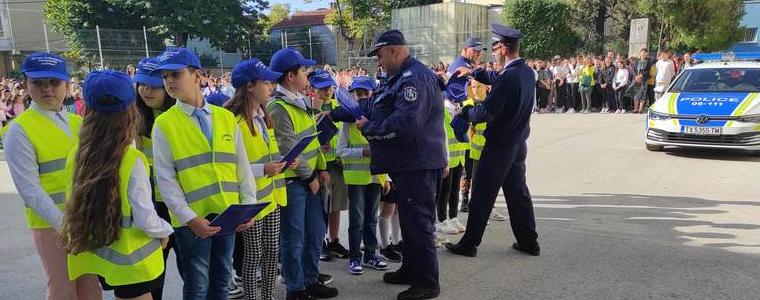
x=363, y=201
x=301, y=233
x=206, y=264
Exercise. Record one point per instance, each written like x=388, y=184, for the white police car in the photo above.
x=713, y=104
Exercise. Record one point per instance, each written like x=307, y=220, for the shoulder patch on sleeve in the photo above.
x=410, y=93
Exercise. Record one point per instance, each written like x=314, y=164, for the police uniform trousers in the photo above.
x=501, y=166
x=415, y=194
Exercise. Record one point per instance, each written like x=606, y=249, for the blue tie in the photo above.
x=203, y=122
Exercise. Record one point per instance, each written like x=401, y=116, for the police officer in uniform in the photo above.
x=506, y=110
x=404, y=127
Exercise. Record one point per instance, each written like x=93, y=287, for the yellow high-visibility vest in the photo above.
x=303, y=125
x=356, y=170
x=268, y=189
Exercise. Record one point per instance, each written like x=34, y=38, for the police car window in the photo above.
x=718, y=80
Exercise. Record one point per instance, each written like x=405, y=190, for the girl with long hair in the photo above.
x=253, y=85
x=110, y=227
x=152, y=101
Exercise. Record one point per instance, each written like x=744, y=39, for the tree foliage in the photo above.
x=223, y=22
x=546, y=26
x=277, y=13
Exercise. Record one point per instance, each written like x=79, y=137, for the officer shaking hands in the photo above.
x=507, y=110
x=404, y=127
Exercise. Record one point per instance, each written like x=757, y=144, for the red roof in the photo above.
x=304, y=18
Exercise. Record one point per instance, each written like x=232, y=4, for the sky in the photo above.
x=301, y=5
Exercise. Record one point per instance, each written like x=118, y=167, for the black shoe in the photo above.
x=335, y=249
x=324, y=278
x=414, y=293
x=535, y=250
x=399, y=248
x=390, y=255
x=460, y=249
x=325, y=255
x=300, y=295
x=321, y=291
x=396, y=278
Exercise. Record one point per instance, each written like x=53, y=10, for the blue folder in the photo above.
x=327, y=130
x=297, y=149
x=235, y=215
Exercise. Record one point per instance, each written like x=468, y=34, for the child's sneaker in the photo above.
x=375, y=262
x=355, y=267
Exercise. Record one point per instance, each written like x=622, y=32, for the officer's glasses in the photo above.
x=497, y=47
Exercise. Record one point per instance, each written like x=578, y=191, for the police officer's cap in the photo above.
x=107, y=83
x=474, y=42
x=504, y=33
x=391, y=37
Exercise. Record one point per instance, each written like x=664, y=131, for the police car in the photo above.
x=713, y=104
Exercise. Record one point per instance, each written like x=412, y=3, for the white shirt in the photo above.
x=258, y=169
x=665, y=73
x=574, y=71
x=144, y=214
x=22, y=162
x=621, y=78
x=166, y=176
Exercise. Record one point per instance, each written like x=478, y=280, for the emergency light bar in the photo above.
x=727, y=56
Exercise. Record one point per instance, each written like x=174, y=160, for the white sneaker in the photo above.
x=456, y=224
x=571, y=111
x=622, y=111
x=497, y=216
x=445, y=228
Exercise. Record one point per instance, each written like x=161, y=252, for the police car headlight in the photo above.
x=653, y=115
x=749, y=119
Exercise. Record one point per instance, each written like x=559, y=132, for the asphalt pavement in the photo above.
x=614, y=221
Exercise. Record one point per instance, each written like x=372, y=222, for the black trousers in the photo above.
x=449, y=196
x=561, y=96
x=573, y=97
x=609, y=95
x=163, y=212
x=415, y=193
x=543, y=97
x=501, y=167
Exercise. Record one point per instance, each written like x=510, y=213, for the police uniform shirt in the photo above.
x=166, y=176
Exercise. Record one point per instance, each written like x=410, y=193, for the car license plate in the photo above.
x=702, y=130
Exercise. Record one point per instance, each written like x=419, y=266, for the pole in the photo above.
x=10, y=28
x=311, y=54
x=47, y=42
x=221, y=60
x=145, y=37
x=100, y=47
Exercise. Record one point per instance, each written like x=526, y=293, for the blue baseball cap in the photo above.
x=145, y=73
x=321, y=79
x=362, y=82
x=217, y=99
x=504, y=33
x=389, y=38
x=456, y=88
x=288, y=58
x=250, y=70
x=178, y=58
x=99, y=84
x=45, y=65
x=474, y=42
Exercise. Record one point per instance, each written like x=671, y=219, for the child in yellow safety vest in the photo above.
x=110, y=226
x=37, y=143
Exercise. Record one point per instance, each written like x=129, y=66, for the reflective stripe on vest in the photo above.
x=259, y=151
x=207, y=173
x=52, y=146
x=303, y=125
x=356, y=171
x=456, y=148
x=134, y=257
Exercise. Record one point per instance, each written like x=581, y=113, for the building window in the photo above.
x=750, y=35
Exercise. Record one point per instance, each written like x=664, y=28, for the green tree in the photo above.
x=709, y=25
x=546, y=25
x=223, y=22
x=277, y=13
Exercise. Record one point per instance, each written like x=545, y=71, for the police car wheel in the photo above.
x=654, y=148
